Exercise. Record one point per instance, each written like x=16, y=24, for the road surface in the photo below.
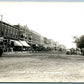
x=44, y=67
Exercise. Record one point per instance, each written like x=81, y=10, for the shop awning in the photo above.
x=16, y=43
x=1, y=38
x=24, y=43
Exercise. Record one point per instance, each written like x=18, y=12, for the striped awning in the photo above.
x=24, y=43
x=16, y=43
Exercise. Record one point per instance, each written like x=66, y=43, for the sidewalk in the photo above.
x=16, y=53
x=29, y=53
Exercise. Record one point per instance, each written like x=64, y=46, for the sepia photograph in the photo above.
x=41, y=41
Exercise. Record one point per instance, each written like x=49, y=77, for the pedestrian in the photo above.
x=1, y=52
x=82, y=51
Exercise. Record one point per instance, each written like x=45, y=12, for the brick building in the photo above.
x=7, y=32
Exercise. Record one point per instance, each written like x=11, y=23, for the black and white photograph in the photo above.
x=41, y=41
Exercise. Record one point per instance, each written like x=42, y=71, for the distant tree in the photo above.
x=76, y=40
x=79, y=41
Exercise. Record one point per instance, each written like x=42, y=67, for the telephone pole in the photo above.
x=1, y=17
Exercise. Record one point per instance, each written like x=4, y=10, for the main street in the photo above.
x=41, y=67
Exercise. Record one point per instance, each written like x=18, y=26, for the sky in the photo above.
x=59, y=21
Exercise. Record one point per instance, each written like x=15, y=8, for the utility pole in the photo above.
x=1, y=21
x=1, y=46
x=1, y=17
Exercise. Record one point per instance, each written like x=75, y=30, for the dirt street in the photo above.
x=42, y=68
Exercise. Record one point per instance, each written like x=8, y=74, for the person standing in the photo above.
x=1, y=52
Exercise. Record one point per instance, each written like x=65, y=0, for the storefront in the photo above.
x=25, y=45
x=16, y=45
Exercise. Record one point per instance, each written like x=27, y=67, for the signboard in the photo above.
x=1, y=38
